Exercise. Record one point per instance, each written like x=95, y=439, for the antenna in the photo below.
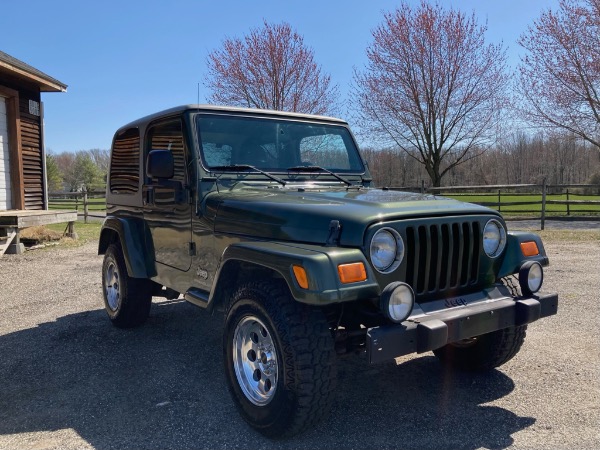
x=198, y=94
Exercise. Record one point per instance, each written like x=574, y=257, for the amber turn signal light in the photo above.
x=352, y=273
x=301, y=277
x=529, y=248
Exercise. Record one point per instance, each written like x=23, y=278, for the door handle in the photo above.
x=149, y=197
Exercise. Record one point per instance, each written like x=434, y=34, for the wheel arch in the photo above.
x=234, y=272
x=130, y=235
x=274, y=259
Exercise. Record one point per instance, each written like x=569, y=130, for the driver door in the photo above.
x=167, y=209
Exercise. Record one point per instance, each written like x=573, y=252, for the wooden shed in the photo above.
x=22, y=168
x=23, y=191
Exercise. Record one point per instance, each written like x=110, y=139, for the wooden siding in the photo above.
x=33, y=165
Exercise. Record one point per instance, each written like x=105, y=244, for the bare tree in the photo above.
x=559, y=77
x=101, y=158
x=66, y=163
x=432, y=86
x=269, y=68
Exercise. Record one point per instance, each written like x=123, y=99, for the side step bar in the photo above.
x=197, y=297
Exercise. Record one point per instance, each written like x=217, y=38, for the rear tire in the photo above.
x=485, y=352
x=127, y=300
x=279, y=358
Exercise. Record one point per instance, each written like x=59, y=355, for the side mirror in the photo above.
x=160, y=164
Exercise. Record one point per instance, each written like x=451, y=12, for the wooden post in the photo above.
x=568, y=206
x=85, y=207
x=499, y=200
x=422, y=186
x=71, y=230
x=544, y=188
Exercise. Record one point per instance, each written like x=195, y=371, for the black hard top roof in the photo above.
x=228, y=109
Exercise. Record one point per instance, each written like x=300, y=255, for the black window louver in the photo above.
x=124, y=163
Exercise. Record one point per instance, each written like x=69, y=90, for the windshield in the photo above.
x=276, y=144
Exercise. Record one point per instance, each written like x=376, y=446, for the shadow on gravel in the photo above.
x=162, y=386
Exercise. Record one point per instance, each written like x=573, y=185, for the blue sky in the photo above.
x=125, y=59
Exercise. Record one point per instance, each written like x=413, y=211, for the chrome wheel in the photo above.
x=111, y=286
x=255, y=360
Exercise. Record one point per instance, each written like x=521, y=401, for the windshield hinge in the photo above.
x=335, y=229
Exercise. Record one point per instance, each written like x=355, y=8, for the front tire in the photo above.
x=485, y=352
x=127, y=300
x=279, y=359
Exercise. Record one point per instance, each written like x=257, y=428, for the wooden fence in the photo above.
x=526, y=199
x=532, y=200
x=91, y=203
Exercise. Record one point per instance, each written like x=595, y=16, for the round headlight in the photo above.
x=386, y=250
x=494, y=238
x=531, y=277
x=397, y=301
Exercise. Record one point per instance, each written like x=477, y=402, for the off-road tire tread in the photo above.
x=136, y=294
x=490, y=351
x=307, y=341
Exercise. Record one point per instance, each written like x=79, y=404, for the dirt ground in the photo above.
x=70, y=380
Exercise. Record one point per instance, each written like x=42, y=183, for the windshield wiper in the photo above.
x=318, y=169
x=246, y=168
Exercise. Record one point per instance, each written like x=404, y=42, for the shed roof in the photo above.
x=19, y=69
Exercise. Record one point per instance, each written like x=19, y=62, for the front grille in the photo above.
x=442, y=257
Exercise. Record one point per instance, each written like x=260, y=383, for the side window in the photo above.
x=169, y=136
x=125, y=163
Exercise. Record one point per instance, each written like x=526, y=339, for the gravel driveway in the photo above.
x=70, y=380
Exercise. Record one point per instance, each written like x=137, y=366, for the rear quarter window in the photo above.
x=124, y=163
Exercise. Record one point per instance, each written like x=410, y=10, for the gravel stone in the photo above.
x=70, y=380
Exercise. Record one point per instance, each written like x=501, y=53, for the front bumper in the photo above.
x=436, y=329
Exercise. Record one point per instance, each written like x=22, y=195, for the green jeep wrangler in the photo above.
x=270, y=218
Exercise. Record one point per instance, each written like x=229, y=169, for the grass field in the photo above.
x=535, y=208
x=86, y=232
x=532, y=209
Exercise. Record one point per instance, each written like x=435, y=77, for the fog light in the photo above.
x=531, y=277
x=397, y=301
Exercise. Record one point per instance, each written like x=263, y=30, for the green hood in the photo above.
x=304, y=215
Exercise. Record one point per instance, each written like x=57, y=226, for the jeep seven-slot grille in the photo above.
x=442, y=257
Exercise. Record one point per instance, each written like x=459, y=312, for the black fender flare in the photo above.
x=131, y=234
x=513, y=256
x=279, y=258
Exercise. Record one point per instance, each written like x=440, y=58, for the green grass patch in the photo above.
x=534, y=203
x=86, y=232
